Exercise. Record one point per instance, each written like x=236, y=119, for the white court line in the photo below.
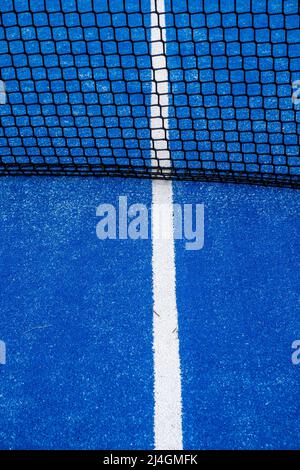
x=167, y=376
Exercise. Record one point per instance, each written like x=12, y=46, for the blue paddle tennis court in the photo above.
x=79, y=367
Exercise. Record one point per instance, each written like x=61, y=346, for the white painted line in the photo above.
x=167, y=376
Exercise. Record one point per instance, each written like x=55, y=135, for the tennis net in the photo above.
x=81, y=90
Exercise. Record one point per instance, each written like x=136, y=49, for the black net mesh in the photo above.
x=80, y=94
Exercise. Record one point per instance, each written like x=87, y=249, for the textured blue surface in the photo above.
x=76, y=316
x=76, y=313
x=238, y=302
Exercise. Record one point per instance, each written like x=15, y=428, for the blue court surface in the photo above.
x=77, y=319
x=77, y=367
